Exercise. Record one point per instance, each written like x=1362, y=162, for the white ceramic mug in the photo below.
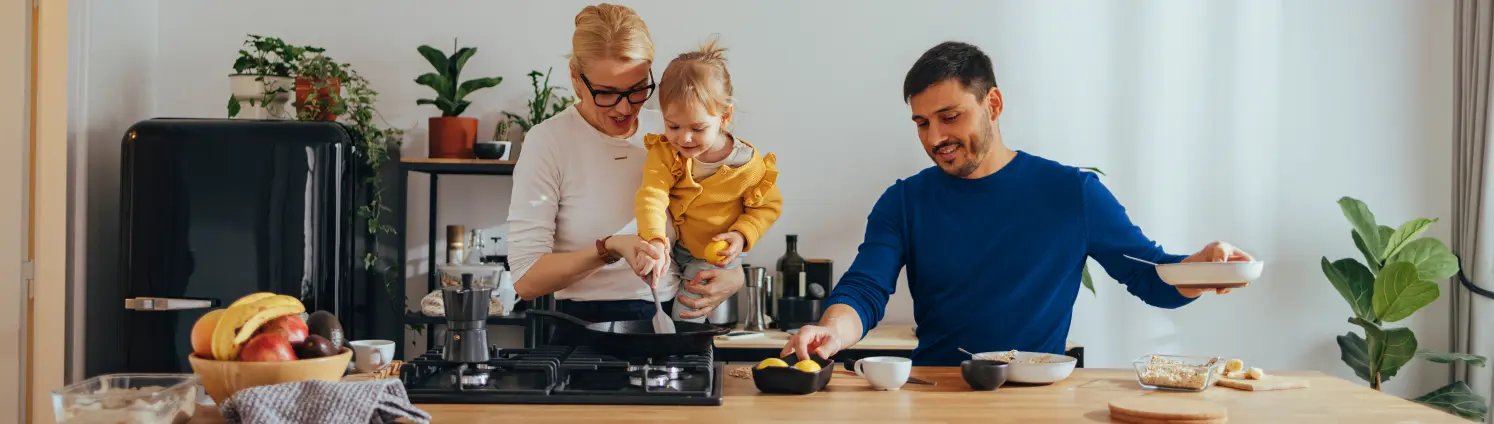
x=885, y=372
x=371, y=355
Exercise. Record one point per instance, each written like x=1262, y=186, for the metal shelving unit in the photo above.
x=435, y=168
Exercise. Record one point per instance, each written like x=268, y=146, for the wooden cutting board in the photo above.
x=1135, y=420
x=1269, y=383
x=1168, y=409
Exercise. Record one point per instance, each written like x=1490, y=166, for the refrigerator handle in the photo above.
x=167, y=304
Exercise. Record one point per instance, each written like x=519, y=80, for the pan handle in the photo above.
x=721, y=331
x=560, y=315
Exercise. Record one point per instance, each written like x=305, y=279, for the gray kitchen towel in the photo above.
x=319, y=401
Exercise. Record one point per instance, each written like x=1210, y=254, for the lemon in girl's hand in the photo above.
x=713, y=251
x=772, y=362
x=808, y=366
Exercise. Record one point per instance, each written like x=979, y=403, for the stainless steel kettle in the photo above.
x=726, y=314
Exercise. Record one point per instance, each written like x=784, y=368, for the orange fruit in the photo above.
x=202, y=333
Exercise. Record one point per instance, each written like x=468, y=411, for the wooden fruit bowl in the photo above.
x=222, y=379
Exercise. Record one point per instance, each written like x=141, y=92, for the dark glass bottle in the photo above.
x=791, y=270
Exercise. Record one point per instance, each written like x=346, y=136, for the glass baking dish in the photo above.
x=1181, y=373
x=128, y=398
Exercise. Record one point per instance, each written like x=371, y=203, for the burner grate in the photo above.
x=564, y=375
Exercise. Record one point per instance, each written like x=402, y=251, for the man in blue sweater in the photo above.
x=994, y=239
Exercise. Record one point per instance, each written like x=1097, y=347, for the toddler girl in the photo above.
x=716, y=191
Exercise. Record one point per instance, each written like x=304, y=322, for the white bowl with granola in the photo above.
x=1032, y=367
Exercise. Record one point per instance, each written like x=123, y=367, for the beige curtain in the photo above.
x=1472, y=311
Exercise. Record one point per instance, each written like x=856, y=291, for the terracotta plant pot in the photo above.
x=452, y=137
x=323, y=96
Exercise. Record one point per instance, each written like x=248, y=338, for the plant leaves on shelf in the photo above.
x=1408, y=231
x=1433, y=260
x=435, y=57
x=1399, y=292
x=1355, y=283
x=1363, y=221
x=1089, y=282
x=1389, y=348
x=1450, y=357
x=1355, y=353
x=477, y=84
x=1457, y=399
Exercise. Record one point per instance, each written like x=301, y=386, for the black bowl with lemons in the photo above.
x=789, y=375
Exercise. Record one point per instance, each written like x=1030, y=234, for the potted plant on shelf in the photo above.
x=451, y=135
x=263, y=76
x=545, y=104
x=1400, y=278
x=319, y=84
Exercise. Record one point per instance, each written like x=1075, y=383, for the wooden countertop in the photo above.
x=884, y=337
x=1082, y=398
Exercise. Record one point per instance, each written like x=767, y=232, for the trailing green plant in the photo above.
x=545, y=104
x=450, y=91
x=266, y=57
x=1084, y=278
x=354, y=105
x=1399, y=277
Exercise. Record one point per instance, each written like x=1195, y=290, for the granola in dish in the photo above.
x=1011, y=358
x=1165, y=372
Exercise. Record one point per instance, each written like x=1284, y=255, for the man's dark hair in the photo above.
x=951, y=60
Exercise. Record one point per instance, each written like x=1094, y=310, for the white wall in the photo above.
x=1240, y=120
x=112, y=59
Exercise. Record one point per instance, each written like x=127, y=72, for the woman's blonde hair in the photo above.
x=698, y=78
x=609, y=31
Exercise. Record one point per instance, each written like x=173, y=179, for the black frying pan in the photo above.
x=636, y=339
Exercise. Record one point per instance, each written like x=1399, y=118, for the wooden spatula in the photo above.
x=662, y=323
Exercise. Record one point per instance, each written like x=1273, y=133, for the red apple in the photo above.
x=268, y=347
x=292, y=325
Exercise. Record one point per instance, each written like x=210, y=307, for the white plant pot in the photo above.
x=250, y=92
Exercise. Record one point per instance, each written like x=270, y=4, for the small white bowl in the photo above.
x=1210, y=274
x=1056, y=369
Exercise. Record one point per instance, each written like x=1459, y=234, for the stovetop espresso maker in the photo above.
x=466, y=322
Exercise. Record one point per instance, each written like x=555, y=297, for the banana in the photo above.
x=234, y=320
x=261, y=318
x=251, y=298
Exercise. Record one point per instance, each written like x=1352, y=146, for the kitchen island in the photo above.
x=1082, y=398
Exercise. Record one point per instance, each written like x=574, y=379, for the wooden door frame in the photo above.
x=47, y=221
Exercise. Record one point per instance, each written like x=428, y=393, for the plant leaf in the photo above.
x=425, y=102
x=1408, y=231
x=1087, y=281
x=435, y=57
x=1355, y=283
x=1450, y=357
x=1399, y=292
x=233, y=106
x=1389, y=349
x=1457, y=399
x=1355, y=353
x=437, y=82
x=1363, y=221
x=1433, y=260
x=459, y=60
x=477, y=84
x=461, y=106
x=1374, y=265
x=1093, y=169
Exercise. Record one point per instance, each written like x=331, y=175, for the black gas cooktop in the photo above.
x=565, y=375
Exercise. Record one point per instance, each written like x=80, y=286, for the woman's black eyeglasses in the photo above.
x=609, y=98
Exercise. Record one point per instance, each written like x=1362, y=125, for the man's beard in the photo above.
x=975, y=150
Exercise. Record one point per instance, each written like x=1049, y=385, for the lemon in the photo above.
x=808, y=366
x=772, y=362
x=713, y=252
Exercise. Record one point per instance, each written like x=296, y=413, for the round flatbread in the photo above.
x=1168, y=408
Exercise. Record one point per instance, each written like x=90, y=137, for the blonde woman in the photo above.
x=571, y=216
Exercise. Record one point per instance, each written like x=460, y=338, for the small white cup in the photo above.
x=371, y=355
x=885, y=372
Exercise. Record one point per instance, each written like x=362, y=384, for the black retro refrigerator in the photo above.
x=212, y=210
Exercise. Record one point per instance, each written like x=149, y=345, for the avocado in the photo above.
x=316, y=346
x=323, y=323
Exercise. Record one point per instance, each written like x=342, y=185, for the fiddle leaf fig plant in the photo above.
x=1399, y=277
x=451, y=92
